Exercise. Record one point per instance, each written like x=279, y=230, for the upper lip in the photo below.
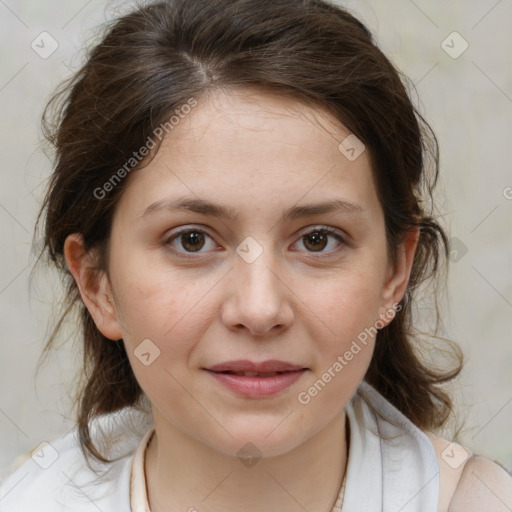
x=250, y=366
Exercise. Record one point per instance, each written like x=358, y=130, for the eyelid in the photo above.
x=321, y=227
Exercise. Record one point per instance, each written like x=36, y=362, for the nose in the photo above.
x=259, y=297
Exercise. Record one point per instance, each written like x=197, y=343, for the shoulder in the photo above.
x=55, y=477
x=469, y=482
x=483, y=483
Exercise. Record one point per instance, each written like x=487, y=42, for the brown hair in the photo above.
x=152, y=61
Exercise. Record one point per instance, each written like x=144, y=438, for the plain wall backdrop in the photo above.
x=458, y=55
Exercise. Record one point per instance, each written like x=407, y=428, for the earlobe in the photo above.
x=398, y=275
x=93, y=285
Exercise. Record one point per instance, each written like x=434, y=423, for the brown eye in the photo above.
x=316, y=241
x=190, y=240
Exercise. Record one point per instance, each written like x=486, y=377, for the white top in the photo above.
x=390, y=468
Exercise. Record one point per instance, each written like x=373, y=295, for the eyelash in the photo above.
x=324, y=230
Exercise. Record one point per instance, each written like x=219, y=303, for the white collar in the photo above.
x=390, y=468
x=138, y=486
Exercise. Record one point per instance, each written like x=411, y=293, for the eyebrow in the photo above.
x=208, y=208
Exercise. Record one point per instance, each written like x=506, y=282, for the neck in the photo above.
x=184, y=474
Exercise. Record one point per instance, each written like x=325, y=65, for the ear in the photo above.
x=398, y=275
x=93, y=285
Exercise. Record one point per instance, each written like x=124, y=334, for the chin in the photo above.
x=269, y=441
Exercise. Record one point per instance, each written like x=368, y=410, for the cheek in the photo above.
x=347, y=308
x=168, y=308
x=151, y=299
x=348, y=303
x=162, y=332
x=345, y=350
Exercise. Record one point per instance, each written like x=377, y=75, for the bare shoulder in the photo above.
x=469, y=482
x=483, y=483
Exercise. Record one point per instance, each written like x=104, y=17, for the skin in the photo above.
x=259, y=154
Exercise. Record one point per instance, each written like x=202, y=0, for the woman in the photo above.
x=240, y=208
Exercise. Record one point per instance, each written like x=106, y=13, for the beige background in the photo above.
x=468, y=100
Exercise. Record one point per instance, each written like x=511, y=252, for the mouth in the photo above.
x=263, y=368
x=256, y=380
x=254, y=374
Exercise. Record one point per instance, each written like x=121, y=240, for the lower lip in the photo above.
x=257, y=387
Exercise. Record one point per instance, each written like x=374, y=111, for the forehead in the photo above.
x=243, y=122
x=254, y=150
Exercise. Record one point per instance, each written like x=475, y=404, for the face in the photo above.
x=269, y=280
